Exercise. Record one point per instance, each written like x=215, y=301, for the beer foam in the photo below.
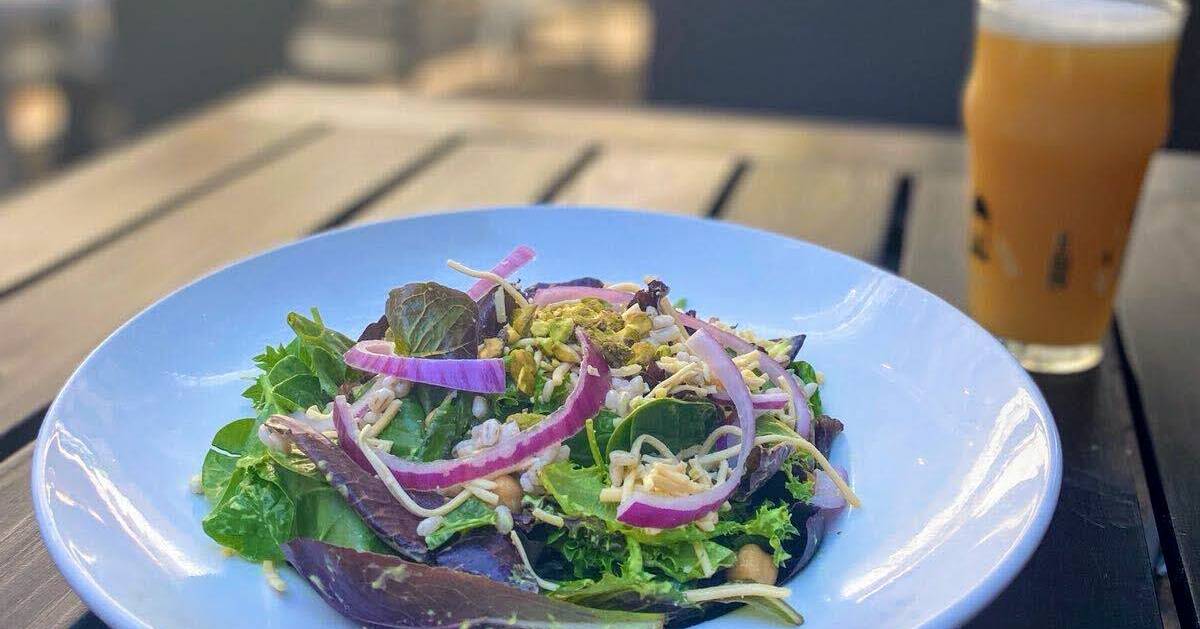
x=1084, y=21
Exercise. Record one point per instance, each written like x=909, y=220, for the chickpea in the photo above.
x=509, y=491
x=753, y=564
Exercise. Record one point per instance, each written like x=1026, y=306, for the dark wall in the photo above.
x=875, y=60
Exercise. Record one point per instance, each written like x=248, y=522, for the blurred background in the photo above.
x=80, y=75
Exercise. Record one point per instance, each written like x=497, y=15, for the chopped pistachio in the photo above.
x=491, y=348
x=511, y=335
x=526, y=420
x=642, y=353
x=559, y=351
x=522, y=369
x=521, y=320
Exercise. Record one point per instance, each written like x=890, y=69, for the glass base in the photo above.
x=1058, y=359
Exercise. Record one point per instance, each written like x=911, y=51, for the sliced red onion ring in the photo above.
x=478, y=375
x=776, y=372
x=555, y=294
x=516, y=259
x=728, y=339
x=663, y=512
x=825, y=493
x=771, y=400
x=584, y=401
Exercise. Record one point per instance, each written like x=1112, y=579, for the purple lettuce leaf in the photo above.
x=374, y=331
x=794, y=345
x=487, y=553
x=384, y=591
x=825, y=430
x=650, y=295
x=487, y=322
x=762, y=464
x=365, y=493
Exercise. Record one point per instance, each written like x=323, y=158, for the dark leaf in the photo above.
x=432, y=321
x=650, y=295
x=581, y=451
x=488, y=554
x=825, y=430
x=590, y=282
x=406, y=431
x=384, y=591
x=364, y=492
x=802, y=547
x=375, y=331
x=764, y=462
x=489, y=325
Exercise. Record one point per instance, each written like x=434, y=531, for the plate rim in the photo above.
x=956, y=613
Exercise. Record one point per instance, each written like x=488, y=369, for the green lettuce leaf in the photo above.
x=322, y=514
x=432, y=321
x=677, y=423
x=602, y=423
x=254, y=514
x=406, y=431
x=770, y=523
x=807, y=374
x=589, y=551
x=471, y=514
x=448, y=424
x=219, y=464
x=681, y=563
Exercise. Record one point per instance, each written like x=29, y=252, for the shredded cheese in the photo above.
x=664, y=387
x=547, y=517
x=735, y=590
x=635, y=450
x=706, y=566
x=664, y=305
x=488, y=275
x=501, y=314
x=398, y=492
x=273, y=578
x=489, y=497
x=791, y=414
x=542, y=583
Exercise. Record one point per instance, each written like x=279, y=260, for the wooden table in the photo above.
x=84, y=251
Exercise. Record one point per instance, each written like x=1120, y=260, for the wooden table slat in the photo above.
x=682, y=182
x=1158, y=309
x=34, y=594
x=54, y=220
x=486, y=172
x=1093, y=569
x=282, y=201
x=844, y=209
x=895, y=148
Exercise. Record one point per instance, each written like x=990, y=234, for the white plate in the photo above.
x=947, y=442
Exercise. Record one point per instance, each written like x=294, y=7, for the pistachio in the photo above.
x=511, y=335
x=641, y=353
x=526, y=420
x=560, y=351
x=521, y=319
x=522, y=369
x=539, y=328
x=491, y=348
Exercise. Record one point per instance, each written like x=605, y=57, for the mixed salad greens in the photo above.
x=570, y=453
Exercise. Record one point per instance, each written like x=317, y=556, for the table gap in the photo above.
x=736, y=175
x=431, y=156
x=893, y=242
x=235, y=171
x=1185, y=608
x=568, y=174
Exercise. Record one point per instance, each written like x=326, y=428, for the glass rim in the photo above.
x=1062, y=22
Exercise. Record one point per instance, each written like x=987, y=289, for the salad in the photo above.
x=565, y=453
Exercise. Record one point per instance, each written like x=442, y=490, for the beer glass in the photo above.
x=1065, y=103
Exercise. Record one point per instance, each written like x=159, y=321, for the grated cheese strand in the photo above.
x=542, y=583
x=664, y=305
x=664, y=387
x=735, y=590
x=547, y=517
x=808, y=447
x=501, y=314
x=373, y=430
x=706, y=566
x=488, y=275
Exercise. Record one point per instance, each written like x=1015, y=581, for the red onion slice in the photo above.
x=555, y=294
x=517, y=258
x=663, y=512
x=585, y=400
x=776, y=372
x=771, y=400
x=478, y=375
x=728, y=339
